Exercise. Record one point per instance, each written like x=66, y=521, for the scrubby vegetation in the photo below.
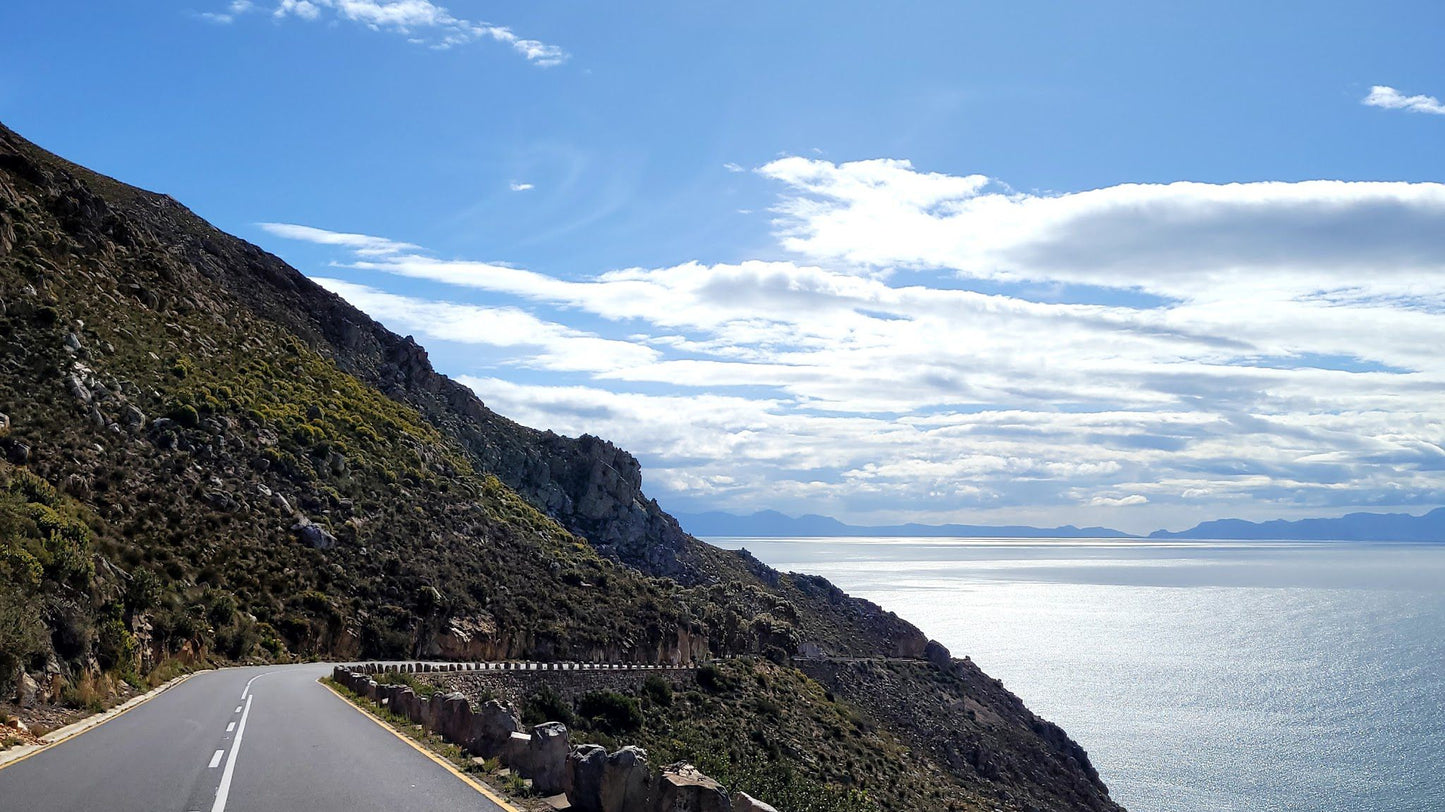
x=755, y=726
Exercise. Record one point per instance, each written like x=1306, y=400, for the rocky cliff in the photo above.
x=210, y=457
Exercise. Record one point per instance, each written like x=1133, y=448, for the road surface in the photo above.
x=237, y=740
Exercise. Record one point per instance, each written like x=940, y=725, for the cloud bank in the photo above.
x=943, y=348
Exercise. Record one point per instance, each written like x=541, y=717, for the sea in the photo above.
x=1201, y=676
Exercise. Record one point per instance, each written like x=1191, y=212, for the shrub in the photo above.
x=546, y=705
x=712, y=679
x=186, y=415
x=657, y=690
x=610, y=712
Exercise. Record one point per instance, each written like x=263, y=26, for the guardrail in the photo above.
x=428, y=667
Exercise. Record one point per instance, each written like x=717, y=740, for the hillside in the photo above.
x=209, y=458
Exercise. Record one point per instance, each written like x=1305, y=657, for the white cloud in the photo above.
x=362, y=244
x=1286, y=363
x=1391, y=99
x=558, y=348
x=419, y=21
x=236, y=9
x=1119, y=501
x=732, y=167
x=1177, y=240
x=521, y=187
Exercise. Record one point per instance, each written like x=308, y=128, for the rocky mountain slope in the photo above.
x=207, y=456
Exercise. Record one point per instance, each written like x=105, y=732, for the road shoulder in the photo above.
x=507, y=804
x=18, y=754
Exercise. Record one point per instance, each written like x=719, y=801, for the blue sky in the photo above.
x=1116, y=263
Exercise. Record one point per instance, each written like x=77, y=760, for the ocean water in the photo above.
x=1200, y=676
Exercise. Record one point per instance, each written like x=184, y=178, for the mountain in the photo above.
x=208, y=459
x=772, y=524
x=1350, y=527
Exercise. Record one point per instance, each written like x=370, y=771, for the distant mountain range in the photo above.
x=1351, y=527
x=772, y=524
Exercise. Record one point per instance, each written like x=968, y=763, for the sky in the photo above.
x=1124, y=264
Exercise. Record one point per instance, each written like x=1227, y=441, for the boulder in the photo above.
x=681, y=788
x=514, y=751
x=403, y=701
x=78, y=389
x=743, y=802
x=492, y=725
x=626, y=781
x=27, y=690
x=133, y=417
x=582, y=778
x=454, y=721
x=434, y=711
x=313, y=535
x=16, y=452
x=546, y=761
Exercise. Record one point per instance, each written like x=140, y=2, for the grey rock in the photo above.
x=582, y=780
x=277, y=500
x=4, y=422
x=492, y=725
x=547, y=753
x=133, y=417
x=16, y=452
x=72, y=342
x=454, y=720
x=27, y=690
x=743, y=802
x=78, y=389
x=514, y=752
x=681, y=788
x=313, y=535
x=626, y=781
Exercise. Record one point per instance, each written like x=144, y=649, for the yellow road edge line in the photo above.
x=490, y=794
x=106, y=717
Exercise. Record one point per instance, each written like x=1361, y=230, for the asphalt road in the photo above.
x=237, y=740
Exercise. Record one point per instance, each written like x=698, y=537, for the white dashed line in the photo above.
x=247, y=689
x=237, y=710
x=216, y=759
x=230, y=727
x=224, y=790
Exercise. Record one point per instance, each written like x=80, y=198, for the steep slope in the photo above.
x=262, y=470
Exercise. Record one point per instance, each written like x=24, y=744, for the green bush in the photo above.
x=657, y=690
x=186, y=415
x=546, y=705
x=610, y=712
